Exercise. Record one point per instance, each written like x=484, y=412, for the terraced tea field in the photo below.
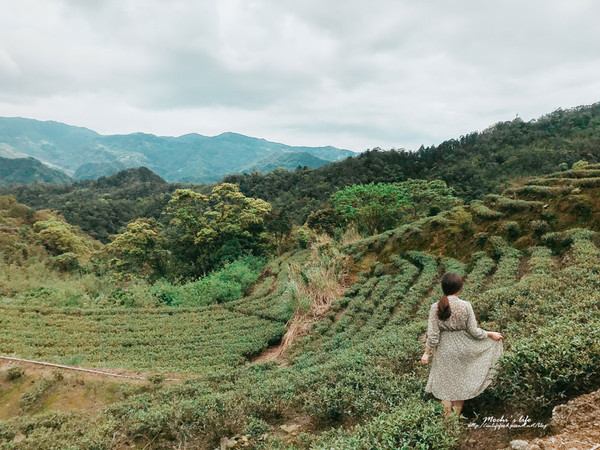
x=202, y=341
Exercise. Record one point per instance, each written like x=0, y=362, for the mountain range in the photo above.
x=81, y=153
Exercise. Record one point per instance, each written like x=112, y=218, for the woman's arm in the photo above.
x=433, y=334
x=472, y=328
x=433, y=329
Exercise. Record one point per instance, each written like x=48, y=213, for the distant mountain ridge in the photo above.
x=84, y=154
x=29, y=170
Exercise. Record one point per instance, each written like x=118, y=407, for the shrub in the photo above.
x=66, y=262
x=303, y=237
x=222, y=286
x=539, y=227
x=554, y=364
x=39, y=388
x=581, y=164
x=14, y=373
x=60, y=237
x=480, y=238
x=511, y=229
x=511, y=204
x=483, y=211
x=256, y=426
x=156, y=379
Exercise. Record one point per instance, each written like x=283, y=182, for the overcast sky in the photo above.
x=353, y=74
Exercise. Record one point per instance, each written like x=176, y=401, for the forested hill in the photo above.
x=85, y=154
x=29, y=170
x=101, y=207
x=474, y=165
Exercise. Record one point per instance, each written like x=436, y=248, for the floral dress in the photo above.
x=463, y=359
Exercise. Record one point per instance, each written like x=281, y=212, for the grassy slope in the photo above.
x=532, y=261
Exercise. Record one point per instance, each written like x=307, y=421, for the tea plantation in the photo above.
x=351, y=375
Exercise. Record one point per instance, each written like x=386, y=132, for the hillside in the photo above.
x=285, y=160
x=475, y=165
x=29, y=170
x=322, y=349
x=85, y=154
x=101, y=207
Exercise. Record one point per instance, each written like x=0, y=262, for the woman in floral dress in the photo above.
x=463, y=357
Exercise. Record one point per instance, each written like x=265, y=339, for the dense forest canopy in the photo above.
x=473, y=165
x=104, y=206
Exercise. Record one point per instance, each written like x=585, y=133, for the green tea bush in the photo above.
x=547, y=180
x=581, y=173
x=539, y=227
x=155, y=379
x=482, y=267
x=555, y=363
x=540, y=190
x=415, y=425
x=452, y=265
x=33, y=394
x=439, y=221
x=412, y=301
x=483, y=211
x=480, y=239
x=508, y=262
x=256, y=426
x=510, y=204
x=541, y=262
x=557, y=241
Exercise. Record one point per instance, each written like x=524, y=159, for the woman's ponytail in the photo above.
x=444, y=308
x=451, y=284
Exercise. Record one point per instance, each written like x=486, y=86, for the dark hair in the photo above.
x=451, y=284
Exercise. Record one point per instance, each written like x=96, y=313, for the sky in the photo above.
x=352, y=74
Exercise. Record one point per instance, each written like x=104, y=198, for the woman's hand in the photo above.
x=495, y=336
x=425, y=358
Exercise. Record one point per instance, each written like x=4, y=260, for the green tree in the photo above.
x=378, y=207
x=209, y=230
x=279, y=224
x=140, y=249
x=325, y=220
x=60, y=237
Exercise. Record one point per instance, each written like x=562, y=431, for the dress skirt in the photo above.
x=462, y=367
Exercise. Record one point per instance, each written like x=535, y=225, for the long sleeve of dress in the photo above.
x=472, y=328
x=433, y=329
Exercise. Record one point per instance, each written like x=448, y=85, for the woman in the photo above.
x=464, y=356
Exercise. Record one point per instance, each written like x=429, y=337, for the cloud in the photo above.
x=388, y=74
